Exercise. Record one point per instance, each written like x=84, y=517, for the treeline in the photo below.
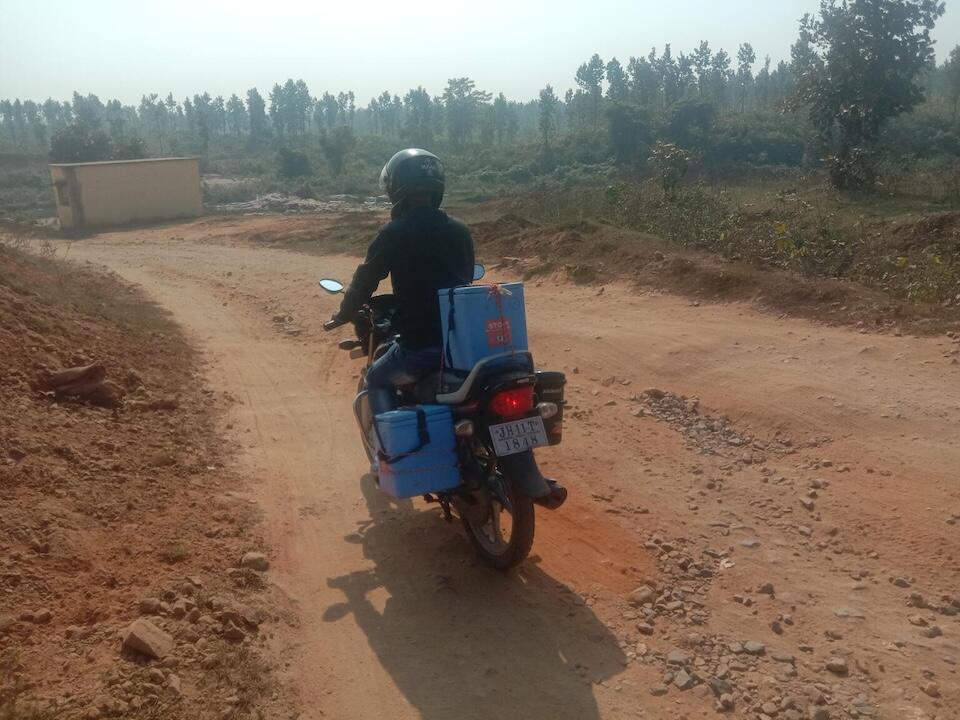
x=850, y=72
x=460, y=115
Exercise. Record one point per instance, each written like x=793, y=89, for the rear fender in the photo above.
x=526, y=481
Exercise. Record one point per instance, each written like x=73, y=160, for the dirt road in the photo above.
x=820, y=518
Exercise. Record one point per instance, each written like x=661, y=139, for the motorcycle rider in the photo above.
x=423, y=250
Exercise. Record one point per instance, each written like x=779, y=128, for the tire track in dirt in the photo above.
x=394, y=610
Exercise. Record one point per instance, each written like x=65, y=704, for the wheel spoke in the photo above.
x=504, y=536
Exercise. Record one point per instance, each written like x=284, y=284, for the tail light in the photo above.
x=513, y=403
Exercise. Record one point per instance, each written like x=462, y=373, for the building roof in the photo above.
x=121, y=162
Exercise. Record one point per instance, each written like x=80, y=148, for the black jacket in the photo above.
x=423, y=251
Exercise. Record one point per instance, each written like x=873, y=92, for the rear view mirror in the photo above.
x=479, y=271
x=331, y=286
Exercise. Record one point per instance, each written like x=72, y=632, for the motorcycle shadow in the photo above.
x=461, y=640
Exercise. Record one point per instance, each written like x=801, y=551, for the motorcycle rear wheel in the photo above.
x=488, y=538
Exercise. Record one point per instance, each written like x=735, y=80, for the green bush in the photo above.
x=292, y=164
x=80, y=143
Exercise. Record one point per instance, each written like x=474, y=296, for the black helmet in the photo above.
x=412, y=171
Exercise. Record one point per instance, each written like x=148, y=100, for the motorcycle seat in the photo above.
x=426, y=389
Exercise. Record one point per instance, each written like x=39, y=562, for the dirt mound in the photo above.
x=926, y=229
x=347, y=233
x=110, y=514
x=508, y=224
x=592, y=252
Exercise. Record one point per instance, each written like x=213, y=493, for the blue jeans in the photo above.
x=397, y=367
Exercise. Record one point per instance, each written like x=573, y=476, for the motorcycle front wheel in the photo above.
x=502, y=536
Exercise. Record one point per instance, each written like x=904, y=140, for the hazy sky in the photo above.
x=124, y=48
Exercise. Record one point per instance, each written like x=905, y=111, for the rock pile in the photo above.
x=707, y=434
x=292, y=205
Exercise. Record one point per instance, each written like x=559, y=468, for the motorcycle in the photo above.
x=495, y=502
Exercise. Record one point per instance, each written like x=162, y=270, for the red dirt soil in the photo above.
x=786, y=490
x=102, y=510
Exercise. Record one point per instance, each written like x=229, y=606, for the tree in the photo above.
x=218, y=111
x=278, y=111
x=31, y=113
x=299, y=104
x=513, y=121
x=351, y=108
x=691, y=123
x=386, y=111
x=548, y=113
x=203, y=118
x=190, y=115
x=113, y=114
x=952, y=71
x=858, y=64
x=290, y=106
x=501, y=116
x=19, y=119
x=6, y=110
x=420, y=117
x=686, y=80
x=329, y=109
x=617, y=86
x=462, y=102
x=720, y=75
x=343, y=103
x=87, y=110
x=578, y=109
x=666, y=67
x=237, y=117
x=256, y=110
x=702, y=62
x=336, y=145
x=746, y=57
x=488, y=125
x=671, y=164
x=629, y=132
x=763, y=83
x=590, y=79
x=147, y=111
x=80, y=142
x=55, y=115
x=645, y=84
x=130, y=148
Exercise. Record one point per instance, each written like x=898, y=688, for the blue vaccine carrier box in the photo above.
x=418, y=451
x=482, y=320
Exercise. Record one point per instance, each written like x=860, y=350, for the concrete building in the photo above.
x=100, y=194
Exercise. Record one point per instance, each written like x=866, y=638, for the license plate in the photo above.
x=518, y=436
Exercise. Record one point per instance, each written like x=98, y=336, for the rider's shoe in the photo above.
x=556, y=498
